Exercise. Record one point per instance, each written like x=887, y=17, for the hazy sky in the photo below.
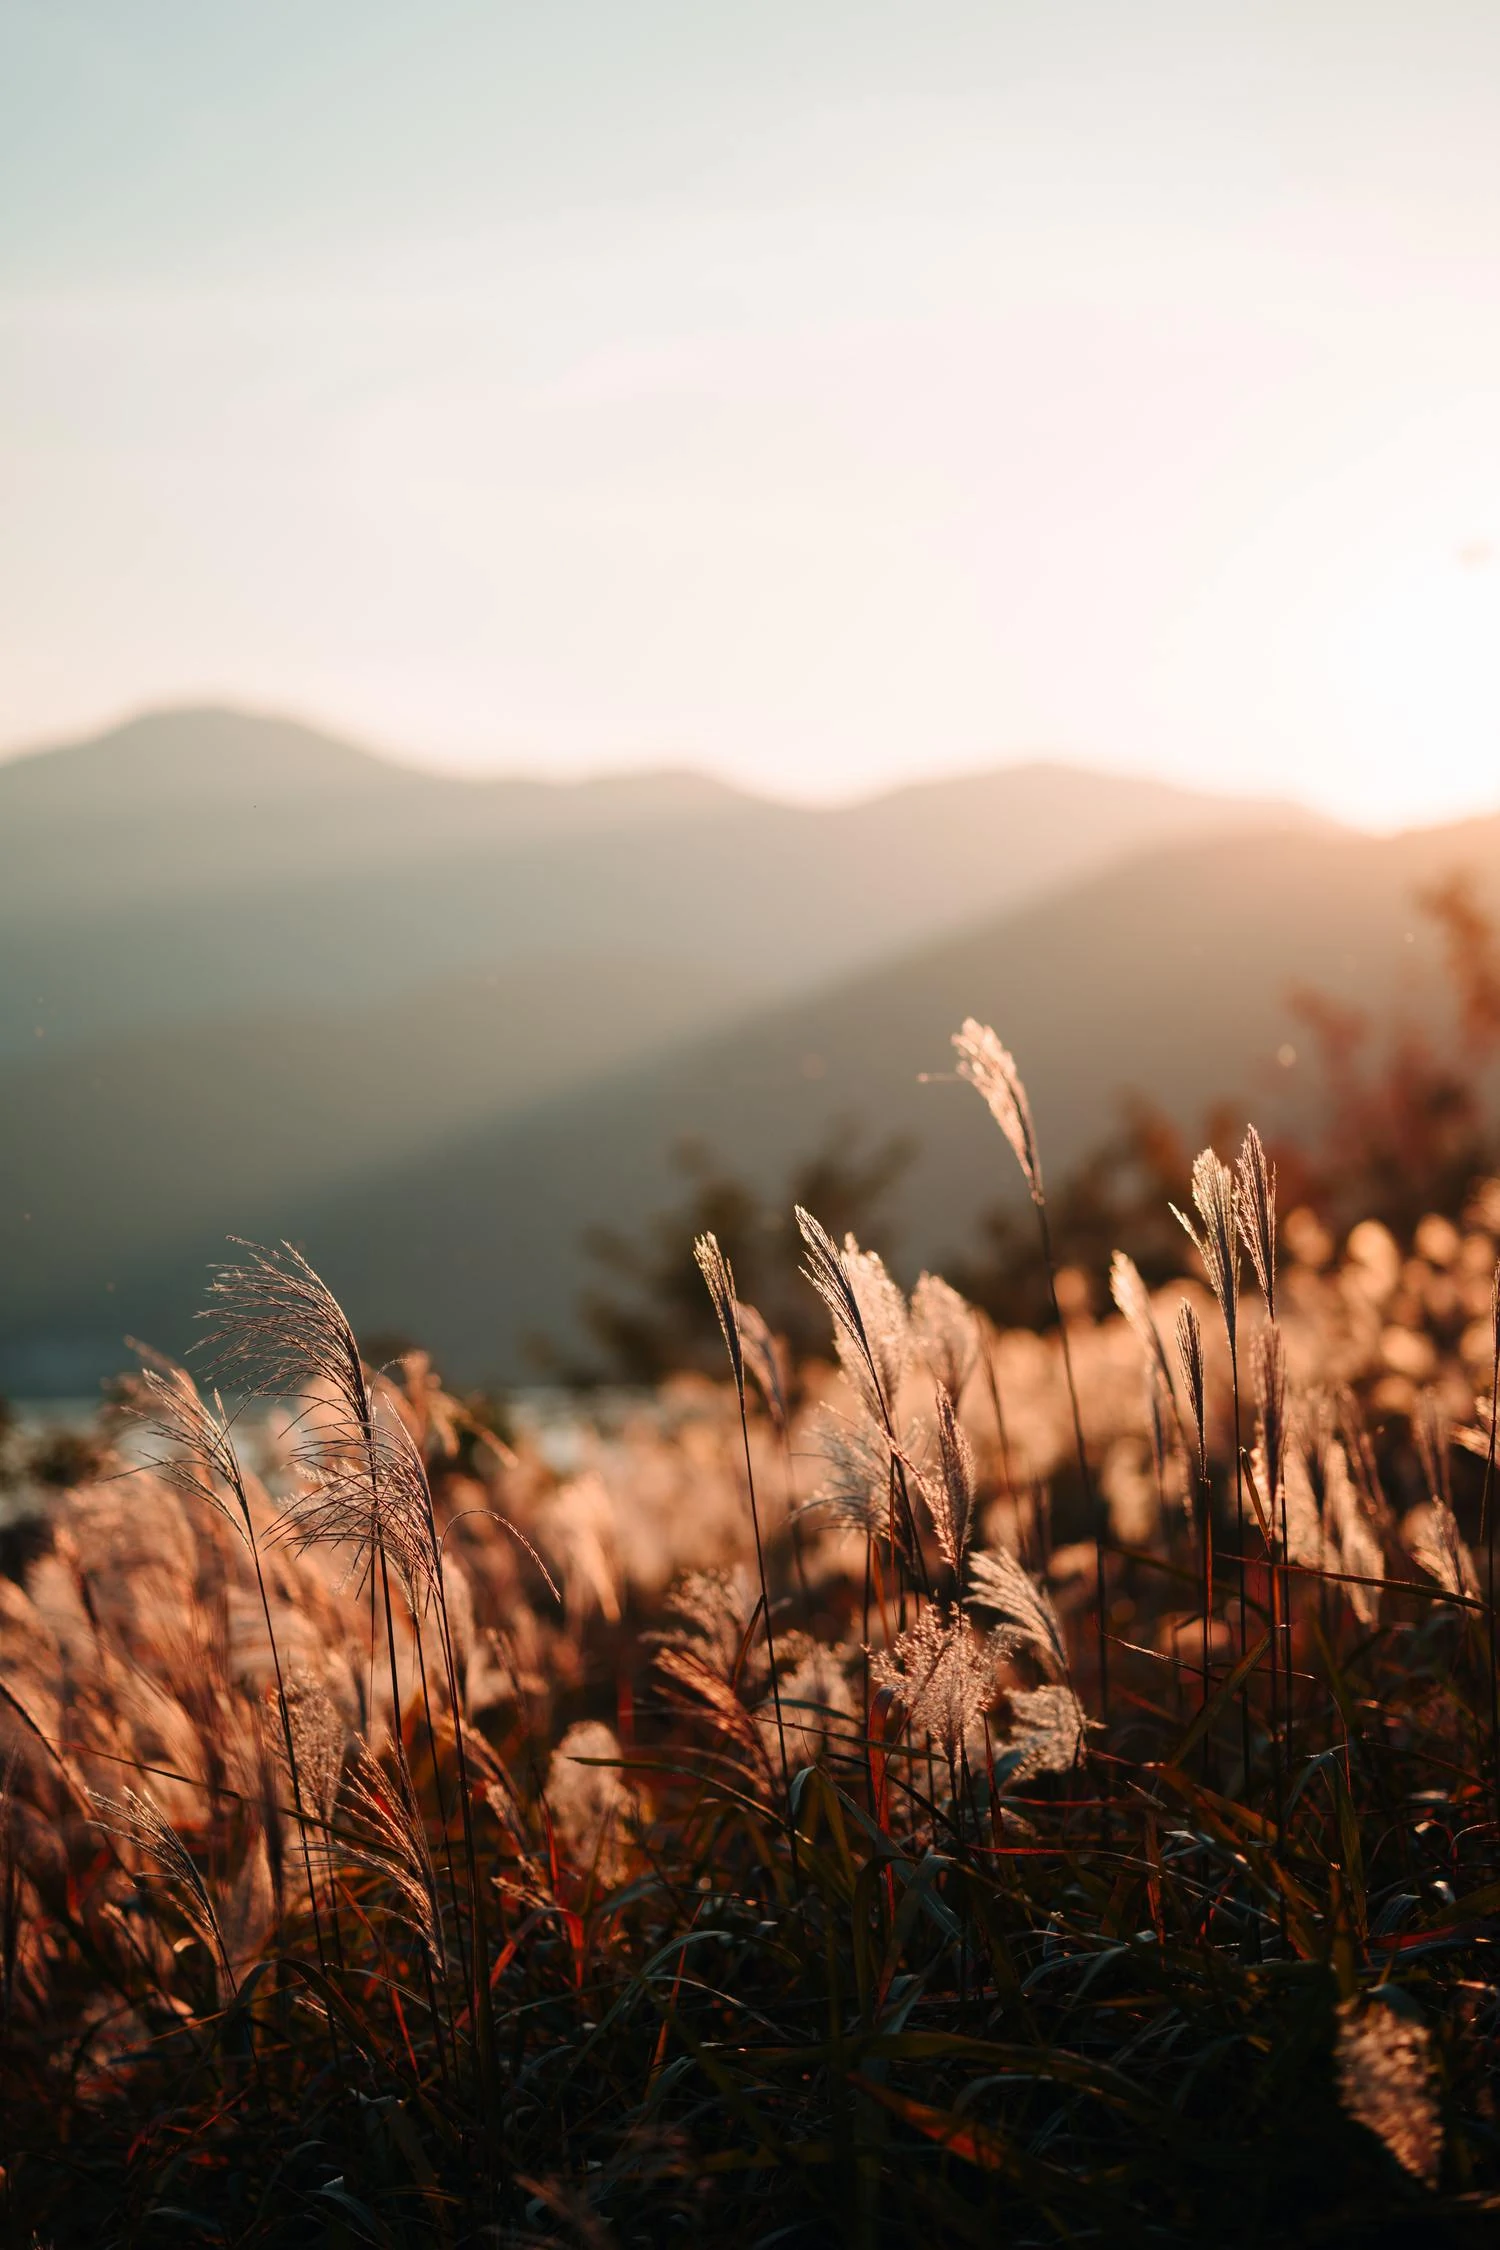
x=823, y=393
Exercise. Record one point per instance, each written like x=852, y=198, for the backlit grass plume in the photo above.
x=1215, y=1235
x=948, y=1494
x=1256, y=1202
x=945, y=1332
x=1029, y=1623
x=274, y=1326
x=763, y=1362
x=1216, y=1238
x=132, y=1818
x=1271, y=1419
x=991, y=1069
x=715, y=1269
x=1190, y=1360
x=945, y=1675
x=716, y=1272
x=1439, y=1546
x=1385, y=2082
x=872, y=1339
x=1133, y=1300
x=1048, y=1733
x=782, y=1884
x=1189, y=1339
x=870, y=1353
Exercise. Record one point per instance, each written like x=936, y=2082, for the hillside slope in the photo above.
x=1168, y=974
x=245, y=966
x=195, y=863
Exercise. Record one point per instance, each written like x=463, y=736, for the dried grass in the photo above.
x=784, y=1880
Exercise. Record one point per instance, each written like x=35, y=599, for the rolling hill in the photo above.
x=245, y=967
x=1168, y=973
x=195, y=864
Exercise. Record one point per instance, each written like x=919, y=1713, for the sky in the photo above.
x=820, y=393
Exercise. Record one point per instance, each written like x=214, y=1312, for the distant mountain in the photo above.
x=198, y=863
x=111, y=1150
x=1169, y=976
x=198, y=799
x=213, y=754
x=1167, y=973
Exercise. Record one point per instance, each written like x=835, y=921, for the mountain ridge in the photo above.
x=275, y=735
x=173, y=743
x=153, y=904
x=1167, y=972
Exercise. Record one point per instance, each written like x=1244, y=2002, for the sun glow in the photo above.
x=1415, y=667
x=927, y=404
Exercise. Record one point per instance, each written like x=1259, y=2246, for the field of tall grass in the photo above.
x=980, y=1785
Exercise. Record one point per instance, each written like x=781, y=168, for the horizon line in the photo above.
x=642, y=767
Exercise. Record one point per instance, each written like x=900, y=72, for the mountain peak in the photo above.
x=219, y=754
x=205, y=751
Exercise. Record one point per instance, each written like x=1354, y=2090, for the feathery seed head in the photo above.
x=1303, y=1495
x=1049, y=1730
x=1029, y=1625
x=1270, y=1395
x=1383, y=2063
x=276, y=1326
x=1430, y=1428
x=1438, y=1545
x=367, y=1491
x=200, y=1460
x=319, y=1737
x=945, y=1332
x=397, y=1850
x=1190, y=1359
x=883, y=1313
x=135, y=1819
x=1352, y=1536
x=991, y=1070
x=717, y=1273
x=855, y=1487
x=817, y=1706
x=763, y=1363
x=945, y=1677
x=1257, y=1213
x=828, y=1271
x=1360, y=1450
x=712, y=1613
x=1133, y=1302
x=589, y=1799
x=1441, y=1549
x=1216, y=1200
x=949, y=1497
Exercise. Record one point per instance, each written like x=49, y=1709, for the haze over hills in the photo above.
x=246, y=967
x=195, y=862
x=195, y=801
x=440, y=1142
x=1169, y=975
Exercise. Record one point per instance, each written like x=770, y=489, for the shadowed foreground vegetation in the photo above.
x=1025, y=1785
